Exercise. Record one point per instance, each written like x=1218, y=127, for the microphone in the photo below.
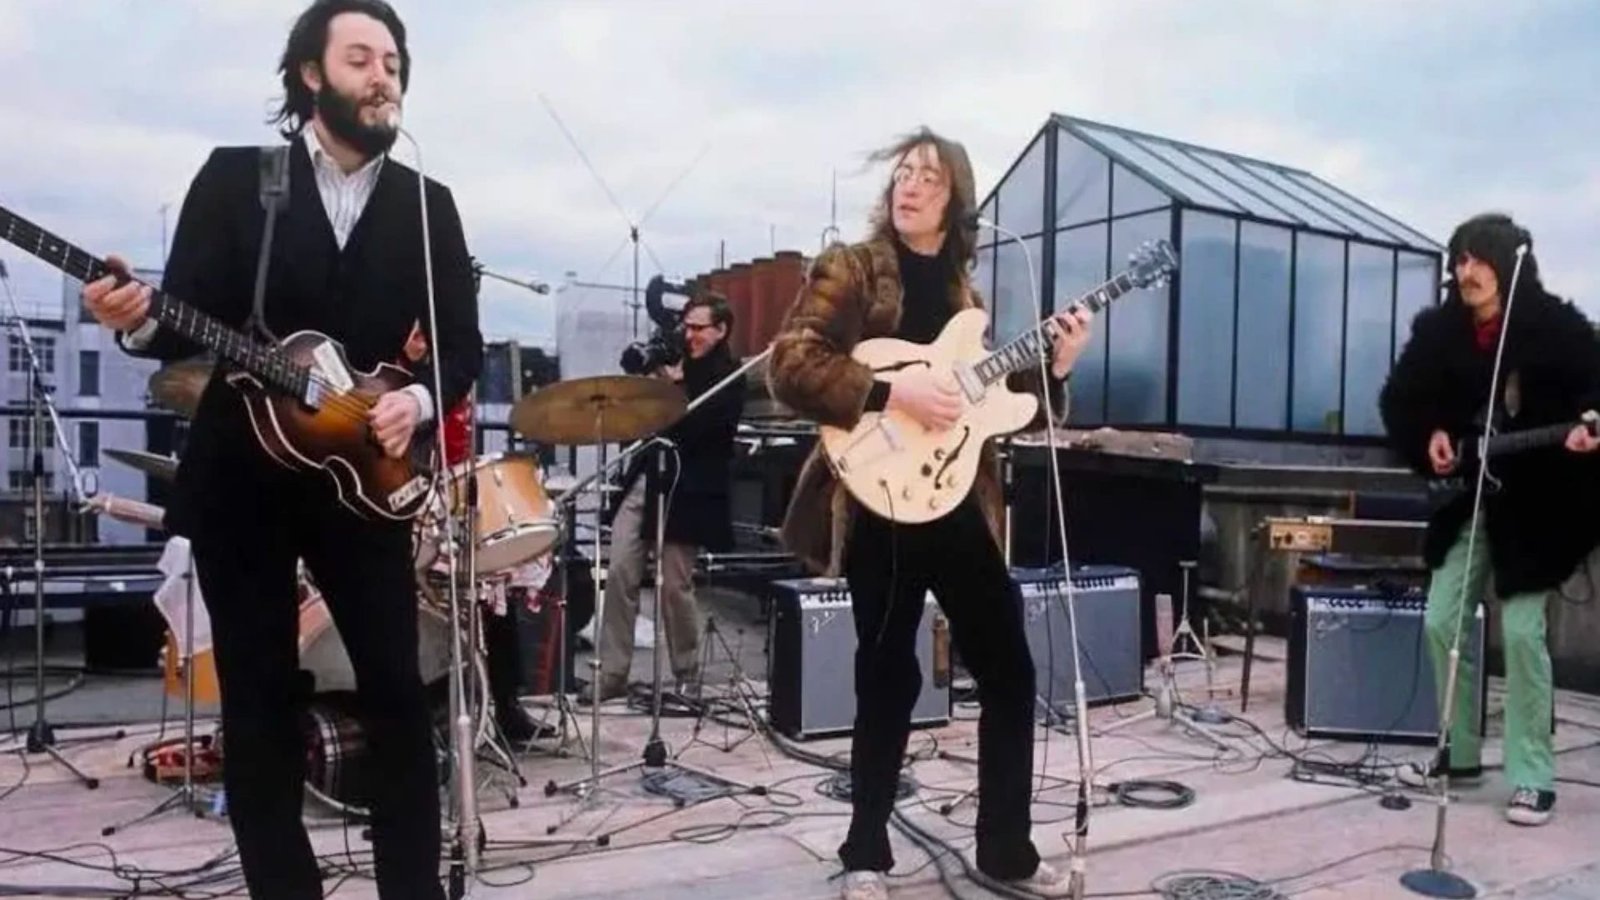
x=972, y=222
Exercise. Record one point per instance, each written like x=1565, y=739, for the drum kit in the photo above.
x=493, y=521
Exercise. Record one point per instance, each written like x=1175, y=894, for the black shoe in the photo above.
x=518, y=726
x=1419, y=776
x=608, y=691
x=1529, y=806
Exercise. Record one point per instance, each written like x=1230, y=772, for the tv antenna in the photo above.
x=634, y=228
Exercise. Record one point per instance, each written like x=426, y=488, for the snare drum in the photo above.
x=516, y=521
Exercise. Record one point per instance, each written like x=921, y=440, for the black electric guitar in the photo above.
x=1474, y=453
x=307, y=406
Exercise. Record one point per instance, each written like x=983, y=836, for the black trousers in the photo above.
x=246, y=563
x=890, y=568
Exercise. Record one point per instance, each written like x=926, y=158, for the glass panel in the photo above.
x=1295, y=189
x=1186, y=163
x=991, y=206
x=1293, y=205
x=1136, y=326
x=1262, y=377
x=1368, y=331
x=1318, y=323
x=1205, y=321
x=1161, y=170
x=1082, y=181
x=1395, y=230
x=1022, y=193
x=1416, y=290
x=1371, y=226
x=1081, y=266
x=1013, y=297
x=1131, y=194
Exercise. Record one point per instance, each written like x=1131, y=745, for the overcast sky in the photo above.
x=1432, y=111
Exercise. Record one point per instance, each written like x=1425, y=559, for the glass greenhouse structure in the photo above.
x=1291, y=301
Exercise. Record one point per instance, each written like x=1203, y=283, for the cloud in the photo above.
x=1428, y=110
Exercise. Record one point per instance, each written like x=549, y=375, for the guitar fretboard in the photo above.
x=1517, y=441
x=1026, y=349
x=264, y=361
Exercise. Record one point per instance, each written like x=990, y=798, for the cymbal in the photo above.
x=177, y=386
x=570, y=412
x=162, y=467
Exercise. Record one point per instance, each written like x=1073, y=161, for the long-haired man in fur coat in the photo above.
x=906, y=280
x=1435, y=404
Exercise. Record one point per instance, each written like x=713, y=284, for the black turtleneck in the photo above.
x=924, y=310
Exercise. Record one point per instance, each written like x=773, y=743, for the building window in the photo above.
x=88, y=443
x=89, y=373
x=22, y=480
x=17, y=434
x=17, y=353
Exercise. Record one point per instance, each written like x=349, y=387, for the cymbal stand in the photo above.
x=655, y=755
x=588, y=789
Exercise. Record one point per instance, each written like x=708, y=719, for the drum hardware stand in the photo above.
x=562, y=702
x=739, y=689
x=1197, y=721
x=187, y=796
x=41, y=737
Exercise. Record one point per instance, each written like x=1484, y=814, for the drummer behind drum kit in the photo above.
x=516, y=532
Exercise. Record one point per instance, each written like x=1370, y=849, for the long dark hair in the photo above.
x=308, y=43
x=1494, y=238
x=959, y=239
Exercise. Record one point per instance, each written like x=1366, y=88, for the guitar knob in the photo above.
x=926, y=470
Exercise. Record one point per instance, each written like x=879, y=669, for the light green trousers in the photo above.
x=1453, y=595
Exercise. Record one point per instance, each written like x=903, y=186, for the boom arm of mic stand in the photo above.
x=36, y=385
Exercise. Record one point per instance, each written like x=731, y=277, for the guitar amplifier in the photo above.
x=811, y=681
x=1108, y=605
x=1359, y=666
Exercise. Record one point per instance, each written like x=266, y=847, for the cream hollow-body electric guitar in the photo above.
x=908, y=473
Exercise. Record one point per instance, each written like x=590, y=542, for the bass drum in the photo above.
x=338, y=770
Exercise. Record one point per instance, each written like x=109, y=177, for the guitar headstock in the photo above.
x=1152, y=264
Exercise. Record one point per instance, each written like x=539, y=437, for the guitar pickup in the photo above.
x=408, y=492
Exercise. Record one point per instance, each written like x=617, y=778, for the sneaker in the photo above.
x=864, y=886
x=1046, y=881
x=1421, y=776
x=1529, y=806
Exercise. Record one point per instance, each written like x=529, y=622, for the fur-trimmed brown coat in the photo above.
x=854, y=293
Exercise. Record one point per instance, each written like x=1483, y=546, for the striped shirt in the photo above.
x=344, y=196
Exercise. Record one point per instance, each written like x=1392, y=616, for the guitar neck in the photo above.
x=1517, y=441
x=263, y=361
x=1027, y=348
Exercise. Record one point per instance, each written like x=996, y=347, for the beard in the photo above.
x=342, y=115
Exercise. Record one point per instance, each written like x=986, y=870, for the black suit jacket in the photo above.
x=367, y=297
x=699, y=474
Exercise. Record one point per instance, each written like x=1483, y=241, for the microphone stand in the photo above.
x=41, y=737
x=1436, y=880
x=654, y=757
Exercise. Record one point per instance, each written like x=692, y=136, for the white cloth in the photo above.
x=172, y=597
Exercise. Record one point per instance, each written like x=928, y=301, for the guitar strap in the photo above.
x=274, y=192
